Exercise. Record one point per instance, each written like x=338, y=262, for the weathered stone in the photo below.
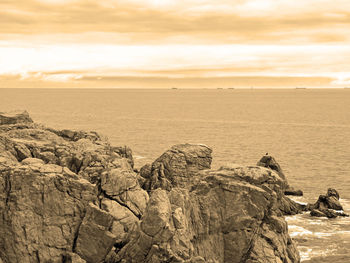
x=175, y=167
x=270, y=162
x=317, y=213
x=46, y=210
x=122, y=185
x=327, y=205
x=79, y=200
x=125, y=152
x=333, y=192
x=227, y=216
x=94, y=238
x=292, y=191
x=40, y=214
x=14, y=117
x=329, y=201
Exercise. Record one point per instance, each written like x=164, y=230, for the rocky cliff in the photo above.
x=69, y=196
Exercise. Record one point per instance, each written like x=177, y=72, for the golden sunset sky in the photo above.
x=168, y=43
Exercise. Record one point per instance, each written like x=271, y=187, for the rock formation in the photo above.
x=69, y=196
x=232, y=214
x=327, y=205
x=14, y=117
x=270, y=162
x=65, y=196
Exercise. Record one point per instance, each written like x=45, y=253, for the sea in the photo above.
x=306, y=130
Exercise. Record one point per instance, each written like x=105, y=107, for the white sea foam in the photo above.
x=295, y=231
x=305, y=253
x=322, y=234
x=137, y=157
x=316, y=222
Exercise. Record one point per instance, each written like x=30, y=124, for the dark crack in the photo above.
x=121, y=203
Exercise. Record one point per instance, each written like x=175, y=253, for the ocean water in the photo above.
x=306, y=130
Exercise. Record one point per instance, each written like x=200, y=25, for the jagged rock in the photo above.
x=292, y=191
x=40, y=211
x=227, y=215
x=124, y=221
x=14, y=117
x=52, y=205
x=317, y=213
x=94, y=238
x=69, y=196
x=146, y=171
x=223, y=221
x=332, y=192
x=268, y=180
x=121, y=184
x=270, y=162
x=324, y=212
x=175, y=167
x=125, y=152
x=329, y=201
x=326, y=205
x=72, y=258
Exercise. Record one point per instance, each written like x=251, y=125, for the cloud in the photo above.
x=162, y=21
x=279, y=59
x=74, y=40
x=101, y=81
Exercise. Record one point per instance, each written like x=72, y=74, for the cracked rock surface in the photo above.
x=63, y=196
x=70, y=196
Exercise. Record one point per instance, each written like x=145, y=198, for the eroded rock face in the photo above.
x=69, y=196
x=327, y=205
x=269, y=162
x=42, y=207
x=63, y=196
x=14, y=117
x=175, y=167
x=94, y=239
x=223, y=218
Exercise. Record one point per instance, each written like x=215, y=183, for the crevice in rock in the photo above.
x=256, y=232
x=122, y=204
x=118, y=246
x=37, y=256
x=75, y=165
x=7, y=188
x=76, y=234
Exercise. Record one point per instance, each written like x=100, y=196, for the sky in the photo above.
x=168, y=43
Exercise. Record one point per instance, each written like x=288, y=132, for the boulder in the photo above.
x=292, y=191
x=270, y=162
x=94, y=239
x=125, y=152
x=14, y=117
x=267, y=179
x=175, y=167
x=328, y=201
x=327, y=205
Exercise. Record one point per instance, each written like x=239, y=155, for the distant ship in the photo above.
x=174, y=88
x=231, y=88
x=300, y=88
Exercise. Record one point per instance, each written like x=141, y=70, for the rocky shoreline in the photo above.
x=70, y=196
